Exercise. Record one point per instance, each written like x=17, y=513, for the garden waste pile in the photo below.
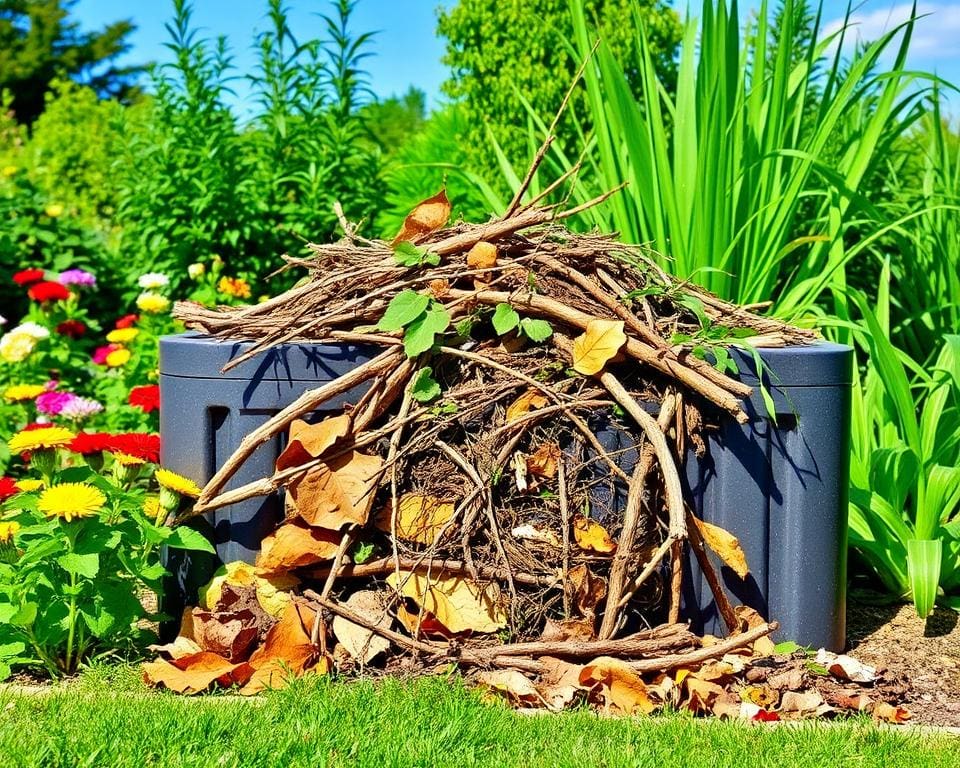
x=462, y=510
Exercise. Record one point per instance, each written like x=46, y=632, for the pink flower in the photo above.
x=80, y=408
x=52, y=403
x=100, y=354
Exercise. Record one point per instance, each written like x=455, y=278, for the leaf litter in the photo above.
x=448, y=515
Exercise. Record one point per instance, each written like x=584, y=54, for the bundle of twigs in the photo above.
x=464, y=444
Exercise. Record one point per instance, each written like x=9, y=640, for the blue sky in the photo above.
x=407, y=51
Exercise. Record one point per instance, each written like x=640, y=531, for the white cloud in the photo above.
x=936, y=34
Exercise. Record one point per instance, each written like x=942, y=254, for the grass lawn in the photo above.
x=106, y=718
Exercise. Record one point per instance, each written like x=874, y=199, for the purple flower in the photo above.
x=77, y=277
x=80, y=408
x=52, y=403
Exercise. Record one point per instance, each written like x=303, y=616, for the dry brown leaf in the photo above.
x=272, y=590
x=225, y=634
x=178, y=648
x=725, y=545
x=586, y=589
x=763, y=696
x=543, y=461
x=530, y=400
x=592, y=536
x=429, y=216
x=559, y=682
x=195, y=673
x=512, y=684
x=795, y=705
x=597, y=345
x=750, y=619
x=286, y=651
x=887, y=713
x=440, y=289
x=420, y=517
x=845, y=667
x=458, y=603
x=483, y=255
x=567, y=629
x=311, y=441
x=701, y=695
x=294, y=545
x=421, y=624
x=527, y=532
x=339, y=492
x=363, y=644
x=617, y=685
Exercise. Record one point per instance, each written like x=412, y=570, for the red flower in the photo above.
x=48, y=291
x=72, y=328
x=91, y=442
x=28, y=276
x=127, y=321
x=766, y=717
x=140, y=444
x=146, y=398
x=8, y=487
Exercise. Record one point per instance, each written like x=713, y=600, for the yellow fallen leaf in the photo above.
x=596, y=346
x=617, y=685
x=420, y=517
x=530, y=400
x=590, y=535
x=272, y=590
x=195, y=672
x=483, y=255
x=427, y=217
x=337, y=492
x=310, y=441
x=457, y=602
x=512, y=684
x=725, y=545
x=363, y=644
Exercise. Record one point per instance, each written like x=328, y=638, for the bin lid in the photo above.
x=820, y=364
x=197, y=356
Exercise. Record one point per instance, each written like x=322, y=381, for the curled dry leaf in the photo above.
x=725, y=545
x=294, y=545
x=543, y=461
x=184, y=644
x=338, y=492
x=483, y=255
x=311, y=441
x=362, y=644
x=272, y=590
x=617, y=686
x=888, y=713
x=519, y=464
x=429, y=216
x=700, y=695
x=195, y=673
x=530, y=400
x=567, y=629
x=458, y=603
x=597, y=345
x=420, y=517
x=286, y=652
x=586, y=589
x=750, y=619
x=421, y=623
x=512, y=684
x=440, y=289
x=795, y=705
x=592, y=536
x=559, y=682
x=846, y=667
x=529, y=532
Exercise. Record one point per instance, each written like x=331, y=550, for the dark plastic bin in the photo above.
x=782, y=489
x=204, y=414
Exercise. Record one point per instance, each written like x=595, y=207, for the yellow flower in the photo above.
x=154, y=510
x=196, y=270
x=29, y=485
x=126, y=460
x=10, y=170
x=16, y=346
x=122, y=335
x=151, y=302
x=71, y=500
x=19, y=392
x=7, y=531
x=118, y=358
x=35, y=439
x=177, y=483
x=234, y=286
x=53, y=210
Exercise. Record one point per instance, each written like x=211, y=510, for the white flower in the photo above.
x=34, y=330
x=196, y=271
x=3, y=320
x=153, y=280
x=16, y=347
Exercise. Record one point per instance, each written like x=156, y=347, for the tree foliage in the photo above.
x=504, y=52
x=39, y=42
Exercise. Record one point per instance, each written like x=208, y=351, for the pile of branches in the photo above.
x=462, y=507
